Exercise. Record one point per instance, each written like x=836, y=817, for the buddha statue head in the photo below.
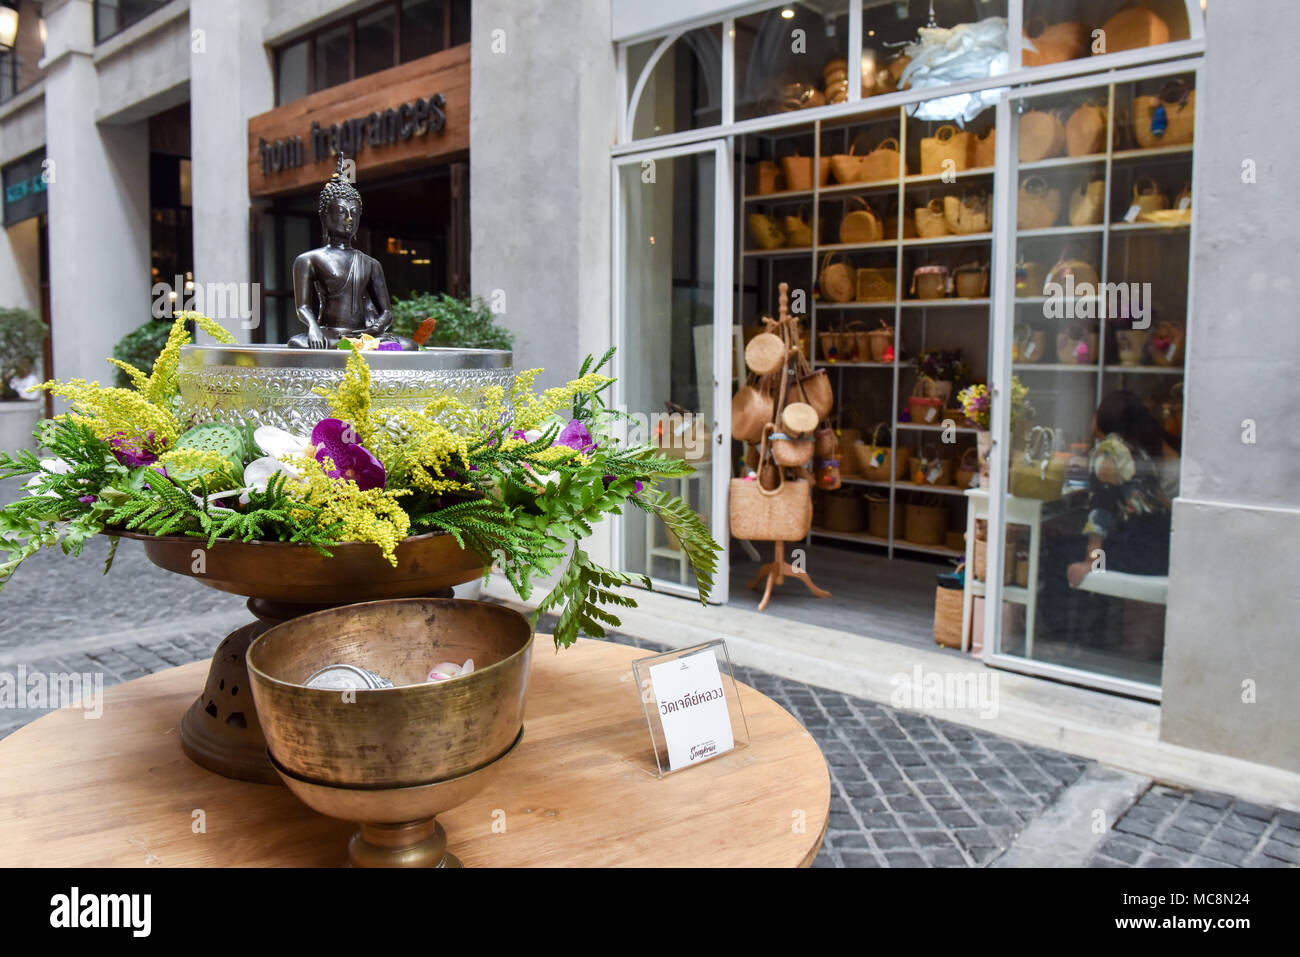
x=339, y=206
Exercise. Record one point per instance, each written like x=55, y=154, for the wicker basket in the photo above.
x=765, y=353
x=766, y=177
x=1179, y=102
x=925, y=411
x=930, y=282
x=877, y=284
x=882, y=163
x=838, y=283
x=791, y=453
x=930, y=222
x=948, y=616
x=1042, y=136
x=860, y=225
x=842, y=511
x=1085, y=131
x=948, y=143
x=783, y=515
x=1037, y=205
x=925, y=524
x=878, y=517
x=816, y=387
x=799, y=171
x=879, y=341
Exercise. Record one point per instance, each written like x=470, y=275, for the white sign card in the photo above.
x=691, y=705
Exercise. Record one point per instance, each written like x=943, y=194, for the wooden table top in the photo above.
x=117, y=791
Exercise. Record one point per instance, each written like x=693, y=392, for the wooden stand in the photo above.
x=776, y=571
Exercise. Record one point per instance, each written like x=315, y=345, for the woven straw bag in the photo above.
x=1042, y=136
x=766, y=176
x=1076, y=347
x=751, y=409
x=968, y=469
x=1087, y=203
x=925, y=524
x=1166, y=342
x=884, y=162
x=799, y=171
x=791, y=452
x=765, y=353
x=837, y=280
x=930, y=222
x=861, y=225
x=1054, y=43
x=1083, y=272
x=969, y=214
x=1037, y=205
x=816, y=387
x=971, y=280
x=983, y=149
x=782, y=514
x=948, y=143
x=876, y=284
x=1133, y=28
x=879, y=340
x=1085, y=131
x=1147, y=196
x=846, y=166
x=797, y=231
x=1030, y=344
x=1172, y=127
x=764, y=231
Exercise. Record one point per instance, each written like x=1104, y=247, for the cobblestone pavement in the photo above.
x=1172, y=828
x=907, y=789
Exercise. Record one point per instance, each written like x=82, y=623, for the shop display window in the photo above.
x=791, y=58
x=1056, y=31
x=675, y=85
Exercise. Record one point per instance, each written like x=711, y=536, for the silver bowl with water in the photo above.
x=276, y=385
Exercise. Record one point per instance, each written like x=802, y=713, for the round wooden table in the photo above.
x=118, y=792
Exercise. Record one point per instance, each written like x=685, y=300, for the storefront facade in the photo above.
x=712, y=102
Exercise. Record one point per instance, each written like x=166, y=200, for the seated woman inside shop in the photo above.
x=1132, y=481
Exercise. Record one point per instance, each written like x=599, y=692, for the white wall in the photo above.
x=1233, y=604
x=230, y=80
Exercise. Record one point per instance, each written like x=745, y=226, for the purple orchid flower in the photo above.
x=351, y=459
x=576, y=437
x=131, y=452
x=389, y=347
x=88, y=499
x=610, y=479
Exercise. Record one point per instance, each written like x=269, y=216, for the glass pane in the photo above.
x=1061, y=30
x=333, y=56
x=292, y=80
x=460, y=22
x=669, y=313
x=791, y=57
x=683, y=90
x=423, y=22
x=375, y=41
x=1100, y=313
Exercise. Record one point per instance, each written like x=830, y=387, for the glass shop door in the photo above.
x=672, y=299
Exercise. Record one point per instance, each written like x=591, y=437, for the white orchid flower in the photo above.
x=52, y=467
x=447, y=669
x=279, y=444
x=280, y=447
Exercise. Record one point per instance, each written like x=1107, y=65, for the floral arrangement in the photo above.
x=942, y=366
x=519, y=478
x=975, y=404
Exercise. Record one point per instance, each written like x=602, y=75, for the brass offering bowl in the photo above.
x=221, y=730
x=393, y=758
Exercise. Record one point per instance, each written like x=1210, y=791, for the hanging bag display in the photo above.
x=861, y=225
x=1038, y=206
x=1039, y=474
x=780, y=514
x=838, y=284
x=967, y=214
x=1167, y=119
x=1042, y=136
x=765, y=353
x=817, y=392
x=1133, y=28
x=1085, y=131
x=1087, y=203
x=751, y=409
x=948, y=143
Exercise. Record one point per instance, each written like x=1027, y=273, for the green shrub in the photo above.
x=140, y=347
x=22, y=343
x=462, y=323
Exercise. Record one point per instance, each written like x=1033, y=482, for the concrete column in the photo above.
x=1231, y=661
x=542, y=120
x=98, y=205
x=230, y=80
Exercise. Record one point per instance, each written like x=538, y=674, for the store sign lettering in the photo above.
x=419, y=118
x=21, y=190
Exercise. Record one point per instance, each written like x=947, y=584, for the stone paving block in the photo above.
x=1209, y=799
x=1256, y=811
x=905, y=859
x=1183, y=840
x=860, y=859
x=891, y=839
x=1281, y=852
x=1121, y=849
x=1239, y=822
x=1220, y=851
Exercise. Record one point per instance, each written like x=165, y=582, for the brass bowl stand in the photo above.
x=396, y=827
x=221, y=731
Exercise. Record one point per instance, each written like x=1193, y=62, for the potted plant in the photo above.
x=977, y=405
x=22, y=340
x=939, y=372
x=459, y=323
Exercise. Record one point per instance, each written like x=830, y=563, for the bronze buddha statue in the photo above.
x=340, y=291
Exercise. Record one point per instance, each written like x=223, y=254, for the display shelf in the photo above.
x=1148, y=227
x=1052, y=367
x=898, y=542
x=948, y=240
x=946, y=302
x=784, y=196
x=1154, y=153
x=1142, y=370
x=919, y=178
x=781, y=252
x=937, y=489
x=833, y=364
x=1049, y=231
x=922, y=427
x=854, y=305
x=1055, y=162
x=856, y=247
x=1064, y=300
x=866, y=483
x=852, y=189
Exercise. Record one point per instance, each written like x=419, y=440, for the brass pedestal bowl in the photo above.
x=394, y=758
x=282, y=581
